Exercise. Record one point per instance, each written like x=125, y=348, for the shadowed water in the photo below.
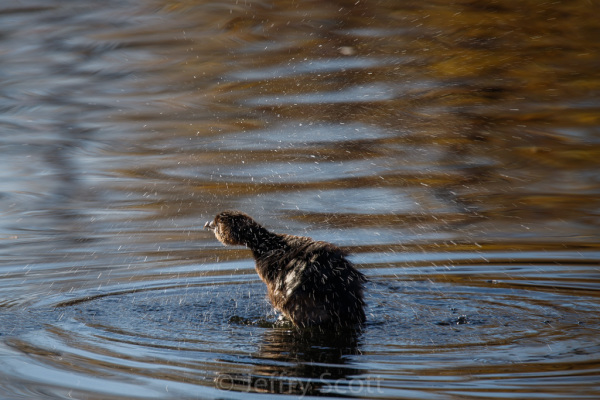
x=452, y=149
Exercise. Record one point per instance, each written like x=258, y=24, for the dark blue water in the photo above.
x=450, y=148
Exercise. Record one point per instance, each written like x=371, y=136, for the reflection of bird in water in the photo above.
x=301, y=362
x=310, y=282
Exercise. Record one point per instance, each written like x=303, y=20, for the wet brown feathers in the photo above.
x=310, y=282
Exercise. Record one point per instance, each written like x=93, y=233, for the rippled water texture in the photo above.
x=451, y=147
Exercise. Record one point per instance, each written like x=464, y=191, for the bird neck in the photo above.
x=262, y=241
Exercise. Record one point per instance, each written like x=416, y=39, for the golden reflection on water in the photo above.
x=482, y=112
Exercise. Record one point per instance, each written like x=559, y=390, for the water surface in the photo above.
x=451, y=148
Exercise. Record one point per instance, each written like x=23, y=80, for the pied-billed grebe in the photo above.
x=310, y=282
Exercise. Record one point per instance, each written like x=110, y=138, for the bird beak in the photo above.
x=209, y=225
